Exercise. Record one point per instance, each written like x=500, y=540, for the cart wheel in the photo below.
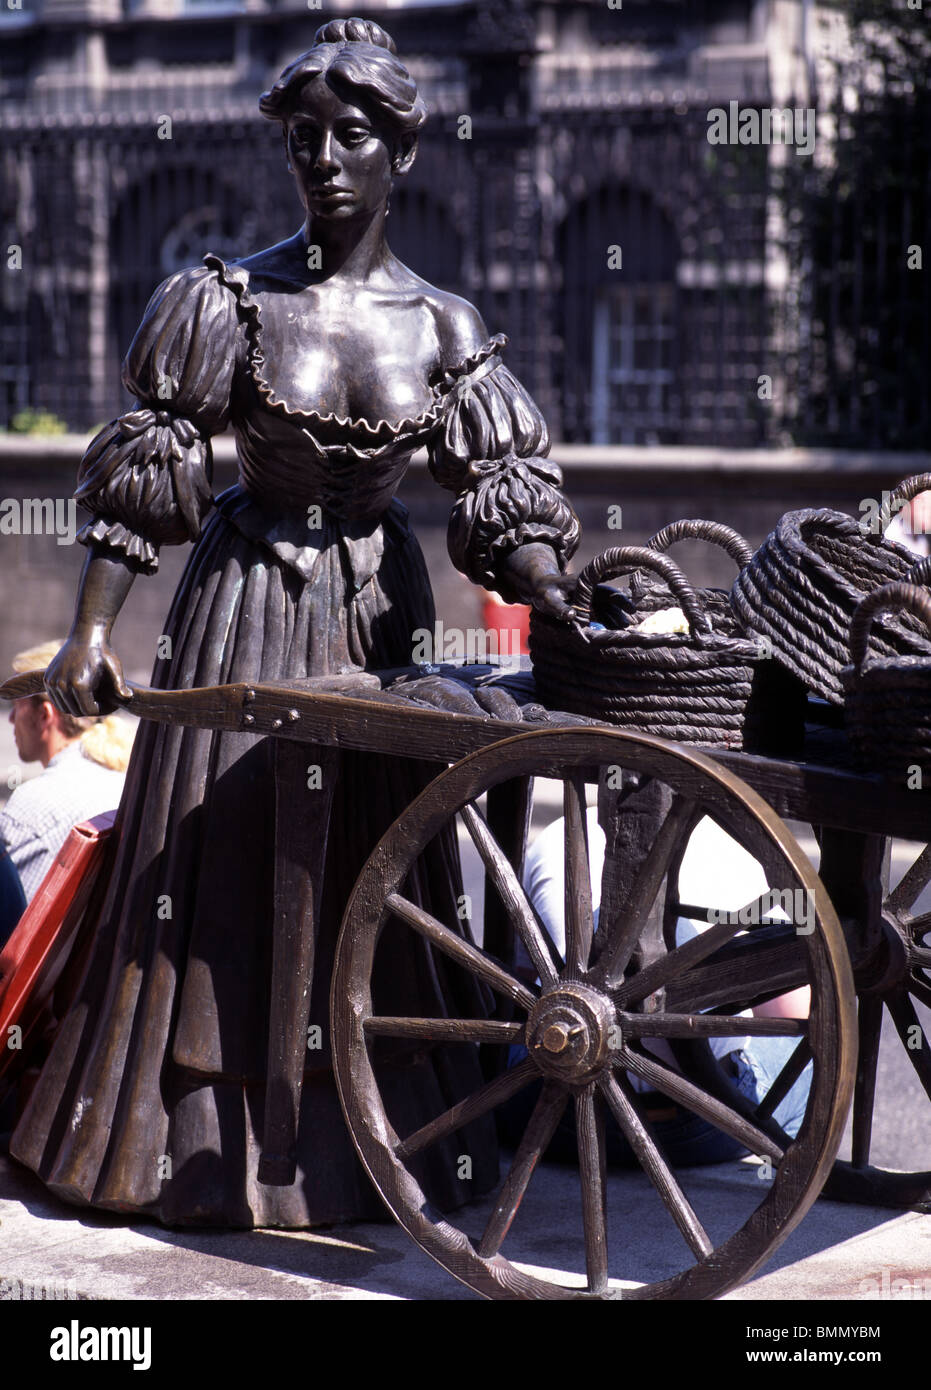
x=592, y=1020
x=895, y=975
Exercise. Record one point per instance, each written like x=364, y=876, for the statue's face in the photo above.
x=341, y=159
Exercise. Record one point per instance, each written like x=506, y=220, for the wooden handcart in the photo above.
x=585, y=1016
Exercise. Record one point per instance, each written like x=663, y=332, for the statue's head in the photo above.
x=350, y=114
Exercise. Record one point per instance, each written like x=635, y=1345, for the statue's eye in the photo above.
x=355, y=135
x=301, y=136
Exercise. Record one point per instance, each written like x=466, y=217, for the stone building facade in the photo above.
x=565, y=184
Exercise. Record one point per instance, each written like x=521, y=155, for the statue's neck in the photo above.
x=350, y=250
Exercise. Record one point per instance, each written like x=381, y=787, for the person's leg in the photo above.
x=758, y=1067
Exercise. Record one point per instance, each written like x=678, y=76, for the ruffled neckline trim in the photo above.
x=442, y=382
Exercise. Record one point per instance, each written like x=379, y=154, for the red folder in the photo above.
x=44, y=938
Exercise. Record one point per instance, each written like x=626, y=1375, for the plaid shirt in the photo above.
x=39, y=814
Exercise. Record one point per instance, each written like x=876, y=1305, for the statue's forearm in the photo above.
x=535, y=573
x=533, y=561
x=105, y=582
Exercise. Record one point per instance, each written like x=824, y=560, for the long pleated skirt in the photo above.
x=152, y=1098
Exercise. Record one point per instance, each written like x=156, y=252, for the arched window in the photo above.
x=166, y=220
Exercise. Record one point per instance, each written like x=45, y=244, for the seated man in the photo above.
x=84, y=763
x=714, y=870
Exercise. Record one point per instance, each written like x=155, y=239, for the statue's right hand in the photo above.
x=86, y=677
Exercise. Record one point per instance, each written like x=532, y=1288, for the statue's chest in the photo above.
x=354, y=358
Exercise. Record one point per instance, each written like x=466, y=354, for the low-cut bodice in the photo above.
x=202, y=360
x=292, y=456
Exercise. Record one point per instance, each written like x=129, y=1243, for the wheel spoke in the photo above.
x=493, y=1093
x=910, y=1030
x=919, y=926
x=622, y=934
x=460, y=950
x=547, y=1113
x=657, y=1169
x=869, y=1029
x=590, y=1129
x=660, y=972
x=912, y=884
x=540, y=948
x=784, y=1082
x=700, y=1103
x=921, y=988
x=696, y=913
x=750, y=915
x=446, y=1029
x=667, y=1025
x=578, y=885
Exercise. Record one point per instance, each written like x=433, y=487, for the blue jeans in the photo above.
x=758, y=1068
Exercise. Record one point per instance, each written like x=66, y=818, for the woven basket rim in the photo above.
x=790, y=531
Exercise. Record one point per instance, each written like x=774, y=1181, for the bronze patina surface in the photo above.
x=191, y=1078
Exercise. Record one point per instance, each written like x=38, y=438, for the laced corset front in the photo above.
x=292, y=457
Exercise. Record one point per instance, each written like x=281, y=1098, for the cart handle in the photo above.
x=623, y=560
x=33, y=683
x=220, y=700
x=888, y=597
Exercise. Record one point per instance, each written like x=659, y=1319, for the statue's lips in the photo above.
x=329, y=195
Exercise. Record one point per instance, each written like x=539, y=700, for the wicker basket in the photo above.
x=888, y=700
x=776, y=712
x=692, y=688
x=802, y=587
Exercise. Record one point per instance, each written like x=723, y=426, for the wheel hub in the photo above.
x=571, y=1032
x=887, y=967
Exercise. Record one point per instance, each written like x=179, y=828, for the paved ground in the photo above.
x=838, y=1252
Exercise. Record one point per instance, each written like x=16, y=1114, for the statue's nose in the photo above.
x=326, y=157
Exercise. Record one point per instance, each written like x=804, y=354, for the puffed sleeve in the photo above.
x=146, y=476
x=491, y=451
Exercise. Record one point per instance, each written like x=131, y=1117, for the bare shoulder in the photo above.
x=459, y=326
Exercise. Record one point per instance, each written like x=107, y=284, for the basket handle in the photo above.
x=887, y=597
x=920, y=573
x=903, y=492
x=714, y=532
x=624, y=559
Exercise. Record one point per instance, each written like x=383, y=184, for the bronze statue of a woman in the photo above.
x=332, y=362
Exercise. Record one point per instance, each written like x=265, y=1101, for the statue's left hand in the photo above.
x=534, y=572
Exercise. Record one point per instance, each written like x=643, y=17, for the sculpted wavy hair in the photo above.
x=360, y=63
